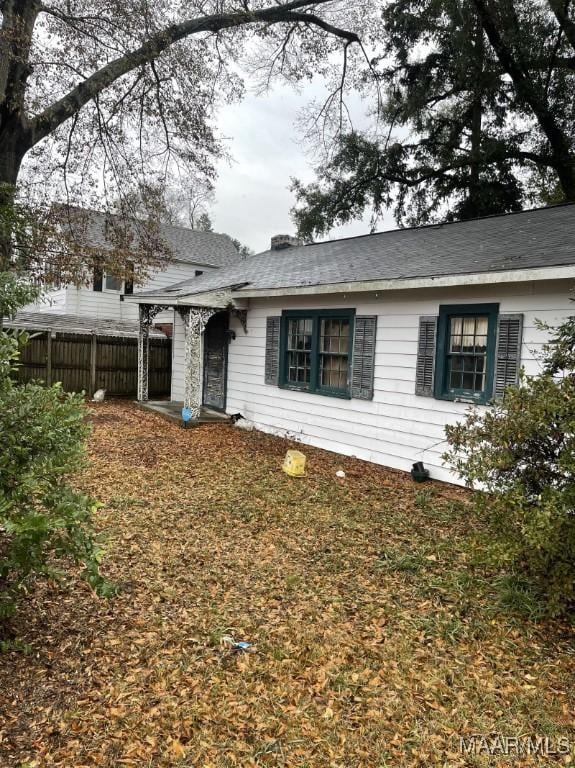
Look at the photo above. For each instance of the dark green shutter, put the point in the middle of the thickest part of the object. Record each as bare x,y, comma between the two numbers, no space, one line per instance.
129,282
508,353
273,325
425,366
98,278
363,365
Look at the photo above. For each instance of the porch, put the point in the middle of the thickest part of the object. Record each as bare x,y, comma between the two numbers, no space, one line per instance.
200,356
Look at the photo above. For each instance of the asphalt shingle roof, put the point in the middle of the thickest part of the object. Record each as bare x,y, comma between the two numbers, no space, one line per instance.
189,245
542,237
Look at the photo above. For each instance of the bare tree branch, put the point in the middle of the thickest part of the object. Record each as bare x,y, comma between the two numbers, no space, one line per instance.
561,10
528,92
52,117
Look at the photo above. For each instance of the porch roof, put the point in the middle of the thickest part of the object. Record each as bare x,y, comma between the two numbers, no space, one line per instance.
77,324
220,299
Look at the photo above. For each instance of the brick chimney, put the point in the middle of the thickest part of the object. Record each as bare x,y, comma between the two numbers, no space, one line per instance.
280,242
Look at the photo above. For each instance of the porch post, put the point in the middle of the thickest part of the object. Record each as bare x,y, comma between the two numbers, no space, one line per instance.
196,321
143,352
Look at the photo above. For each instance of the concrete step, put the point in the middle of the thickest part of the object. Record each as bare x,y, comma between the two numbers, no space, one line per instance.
173,411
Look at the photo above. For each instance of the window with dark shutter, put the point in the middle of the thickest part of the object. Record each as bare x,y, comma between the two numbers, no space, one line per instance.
508,354
273,325
465,358
316,351
363,365
425,367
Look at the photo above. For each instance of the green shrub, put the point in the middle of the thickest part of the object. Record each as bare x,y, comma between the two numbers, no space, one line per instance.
520,454
43,521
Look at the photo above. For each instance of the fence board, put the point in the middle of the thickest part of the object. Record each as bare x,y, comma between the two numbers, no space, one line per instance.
32,362
116,363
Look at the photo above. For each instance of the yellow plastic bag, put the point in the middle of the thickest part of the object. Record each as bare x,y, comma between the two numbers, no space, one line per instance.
294,464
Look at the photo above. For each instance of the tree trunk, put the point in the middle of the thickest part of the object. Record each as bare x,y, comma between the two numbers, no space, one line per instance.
18,20
13,147
476,121
561,10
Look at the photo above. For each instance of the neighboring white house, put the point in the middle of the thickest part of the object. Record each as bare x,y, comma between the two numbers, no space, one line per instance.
192,253
369,346
86,337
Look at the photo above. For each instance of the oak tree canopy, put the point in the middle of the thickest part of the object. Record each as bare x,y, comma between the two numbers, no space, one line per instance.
97,96
474,115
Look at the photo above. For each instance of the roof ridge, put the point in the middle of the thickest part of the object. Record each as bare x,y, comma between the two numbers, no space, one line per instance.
89,209
440,224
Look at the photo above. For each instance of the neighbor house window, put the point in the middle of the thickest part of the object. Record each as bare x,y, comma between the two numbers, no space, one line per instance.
465,352
316,351
112,283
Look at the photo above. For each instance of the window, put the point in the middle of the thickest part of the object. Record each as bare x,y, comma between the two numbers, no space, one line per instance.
112,283
333,352
465,352
299,342
316,351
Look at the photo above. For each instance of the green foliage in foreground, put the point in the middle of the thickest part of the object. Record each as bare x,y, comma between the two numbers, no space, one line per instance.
521,454
44,522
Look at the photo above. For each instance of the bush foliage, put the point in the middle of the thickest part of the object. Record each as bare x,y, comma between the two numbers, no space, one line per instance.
520,453
43,521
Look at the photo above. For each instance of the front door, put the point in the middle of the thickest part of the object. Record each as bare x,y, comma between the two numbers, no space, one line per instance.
216,361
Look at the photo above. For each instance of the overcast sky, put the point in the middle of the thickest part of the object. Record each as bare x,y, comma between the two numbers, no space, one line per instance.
253,201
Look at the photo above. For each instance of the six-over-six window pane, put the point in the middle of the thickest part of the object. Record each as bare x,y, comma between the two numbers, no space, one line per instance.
467,353
334,353
299,342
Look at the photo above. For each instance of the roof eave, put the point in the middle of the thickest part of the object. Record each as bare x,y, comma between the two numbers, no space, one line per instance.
220,298
443,281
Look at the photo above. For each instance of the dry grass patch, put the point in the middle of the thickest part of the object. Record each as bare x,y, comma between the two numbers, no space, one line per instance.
379,635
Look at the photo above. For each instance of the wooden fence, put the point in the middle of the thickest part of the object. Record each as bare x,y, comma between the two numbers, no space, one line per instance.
83,362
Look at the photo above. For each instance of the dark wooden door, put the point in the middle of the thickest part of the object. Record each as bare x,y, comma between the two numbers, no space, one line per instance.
216,361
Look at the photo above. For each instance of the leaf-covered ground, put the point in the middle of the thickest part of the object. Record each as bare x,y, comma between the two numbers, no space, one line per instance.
379,636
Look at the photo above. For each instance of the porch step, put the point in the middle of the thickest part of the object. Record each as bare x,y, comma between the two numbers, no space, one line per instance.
173,411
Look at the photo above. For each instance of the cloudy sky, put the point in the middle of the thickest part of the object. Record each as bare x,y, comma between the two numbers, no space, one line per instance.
253,201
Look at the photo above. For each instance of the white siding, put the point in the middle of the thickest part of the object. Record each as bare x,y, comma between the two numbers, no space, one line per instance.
52,301
397,428
90,303
178,342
